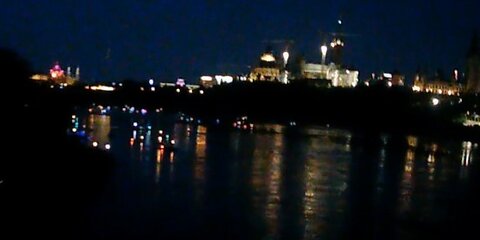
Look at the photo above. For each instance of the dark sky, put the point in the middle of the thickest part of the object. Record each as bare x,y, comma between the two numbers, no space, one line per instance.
112,40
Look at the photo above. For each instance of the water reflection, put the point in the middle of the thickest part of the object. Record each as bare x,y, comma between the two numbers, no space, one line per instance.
99,127
278,183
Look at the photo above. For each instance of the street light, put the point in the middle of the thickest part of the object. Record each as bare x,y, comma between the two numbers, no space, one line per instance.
324,49
286,55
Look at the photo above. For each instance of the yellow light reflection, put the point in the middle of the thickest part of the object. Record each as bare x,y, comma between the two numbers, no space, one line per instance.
409,161
158,164
100,126
412,141
160,153
200,152
274,181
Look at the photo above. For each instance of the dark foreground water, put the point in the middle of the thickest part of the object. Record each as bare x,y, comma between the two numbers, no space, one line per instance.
276,182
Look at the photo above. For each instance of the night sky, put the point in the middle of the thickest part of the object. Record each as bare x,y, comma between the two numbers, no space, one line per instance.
113,40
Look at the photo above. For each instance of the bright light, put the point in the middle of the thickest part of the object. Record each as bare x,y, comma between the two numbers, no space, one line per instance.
39,77
339,21
172,141
206,78
389,83
74,130
324,49
435,101
102,88
150,81
416,88
223,79
180,82
107,146
201,92
227,79
190,91
178,90
286,55
152,89
135,124
267,57
56,71
95,144
387,75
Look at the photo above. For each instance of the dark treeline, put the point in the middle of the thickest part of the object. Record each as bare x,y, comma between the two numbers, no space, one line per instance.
377,108
46,177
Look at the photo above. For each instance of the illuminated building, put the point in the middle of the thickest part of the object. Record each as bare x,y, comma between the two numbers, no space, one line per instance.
56,72
40,77
77,73
207,81
397,79
180,82
58,76
338,77
473,67
421,84
267,70
334,74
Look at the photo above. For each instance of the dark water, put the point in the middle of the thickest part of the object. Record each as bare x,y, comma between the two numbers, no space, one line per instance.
276,182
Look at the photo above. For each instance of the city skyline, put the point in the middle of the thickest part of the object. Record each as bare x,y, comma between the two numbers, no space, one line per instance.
170,39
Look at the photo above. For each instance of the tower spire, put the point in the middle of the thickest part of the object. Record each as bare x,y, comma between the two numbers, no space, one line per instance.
337,43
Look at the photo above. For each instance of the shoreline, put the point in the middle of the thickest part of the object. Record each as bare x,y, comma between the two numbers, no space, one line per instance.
374,109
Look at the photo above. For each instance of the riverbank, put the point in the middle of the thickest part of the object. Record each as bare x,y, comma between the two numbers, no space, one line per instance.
363,109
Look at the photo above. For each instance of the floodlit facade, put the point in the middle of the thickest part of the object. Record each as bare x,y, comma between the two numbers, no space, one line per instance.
207,81
339,77
420,84
58,76
267,70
